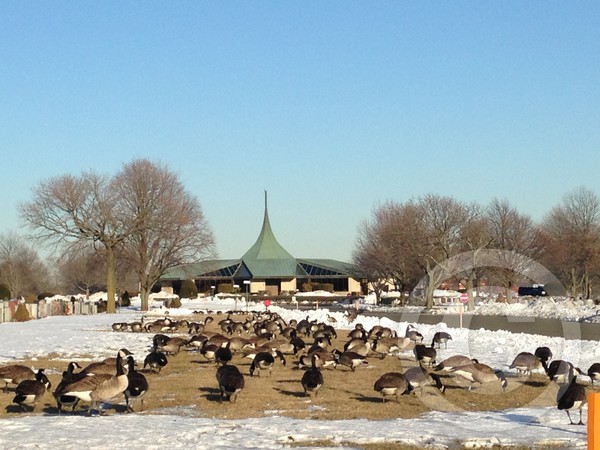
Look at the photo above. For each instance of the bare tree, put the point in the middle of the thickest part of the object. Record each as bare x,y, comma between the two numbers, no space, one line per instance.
66,210
412,241
83,270
382,248
475,237
518,236
21,269
174,230
442,221
573,228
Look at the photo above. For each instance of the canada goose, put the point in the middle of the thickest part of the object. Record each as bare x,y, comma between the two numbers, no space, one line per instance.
289,332
558,371
381,347
208,319
424,354
155,360
353,342
418,377
119,326
544,353
158,340
480,373
453,361
68,377
298,343
106,366
99,388
382,332
572,396
137,385
136,327
358,333
196,328
223,355
265,361
312,379
525,363
326,359
231,382
351,315
392,383
323,342
594,372
439,338
303,327
237,343
209,351
197,341
325,334
29,392
14,374
350,359
258,341
287,348
374,331
362,348
413,334
173,345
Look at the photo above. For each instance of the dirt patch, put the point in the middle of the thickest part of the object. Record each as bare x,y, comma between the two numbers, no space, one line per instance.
187,385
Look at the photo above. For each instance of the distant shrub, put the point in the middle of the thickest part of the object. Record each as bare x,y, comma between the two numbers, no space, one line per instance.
225,288
307,287
21,314
327,287
125,300
175,303
31,298
44,295
102,305
188,289
4,292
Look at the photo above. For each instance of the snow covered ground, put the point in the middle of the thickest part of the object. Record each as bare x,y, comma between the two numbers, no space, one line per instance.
187,427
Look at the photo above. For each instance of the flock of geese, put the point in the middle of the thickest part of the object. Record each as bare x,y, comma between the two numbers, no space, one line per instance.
266,339
95,384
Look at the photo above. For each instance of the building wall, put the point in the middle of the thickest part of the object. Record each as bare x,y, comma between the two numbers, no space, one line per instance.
257,286
289,285
354,285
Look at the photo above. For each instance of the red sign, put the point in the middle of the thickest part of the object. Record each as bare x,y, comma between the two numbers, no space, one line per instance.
464,297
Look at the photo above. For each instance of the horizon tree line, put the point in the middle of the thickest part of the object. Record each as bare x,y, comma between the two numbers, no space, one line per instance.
427,240
129,229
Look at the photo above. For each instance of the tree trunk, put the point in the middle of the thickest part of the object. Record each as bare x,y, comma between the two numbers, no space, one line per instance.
509,292
470,284
429,288
588,287
144,297
110,279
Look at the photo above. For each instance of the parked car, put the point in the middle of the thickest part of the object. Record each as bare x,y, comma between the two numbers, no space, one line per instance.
537,290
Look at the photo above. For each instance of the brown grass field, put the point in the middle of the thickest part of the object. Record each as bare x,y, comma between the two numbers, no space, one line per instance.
188,382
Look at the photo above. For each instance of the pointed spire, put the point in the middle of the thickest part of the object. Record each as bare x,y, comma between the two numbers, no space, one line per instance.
266,247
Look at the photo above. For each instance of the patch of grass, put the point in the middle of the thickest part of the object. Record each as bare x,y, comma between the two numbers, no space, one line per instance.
188,382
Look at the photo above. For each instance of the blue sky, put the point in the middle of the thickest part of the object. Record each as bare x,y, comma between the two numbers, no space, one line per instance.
333,107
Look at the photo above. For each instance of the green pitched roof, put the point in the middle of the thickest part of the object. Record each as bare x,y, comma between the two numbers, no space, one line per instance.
267,257
215,267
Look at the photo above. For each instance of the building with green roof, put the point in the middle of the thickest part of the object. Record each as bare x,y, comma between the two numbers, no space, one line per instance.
269,268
